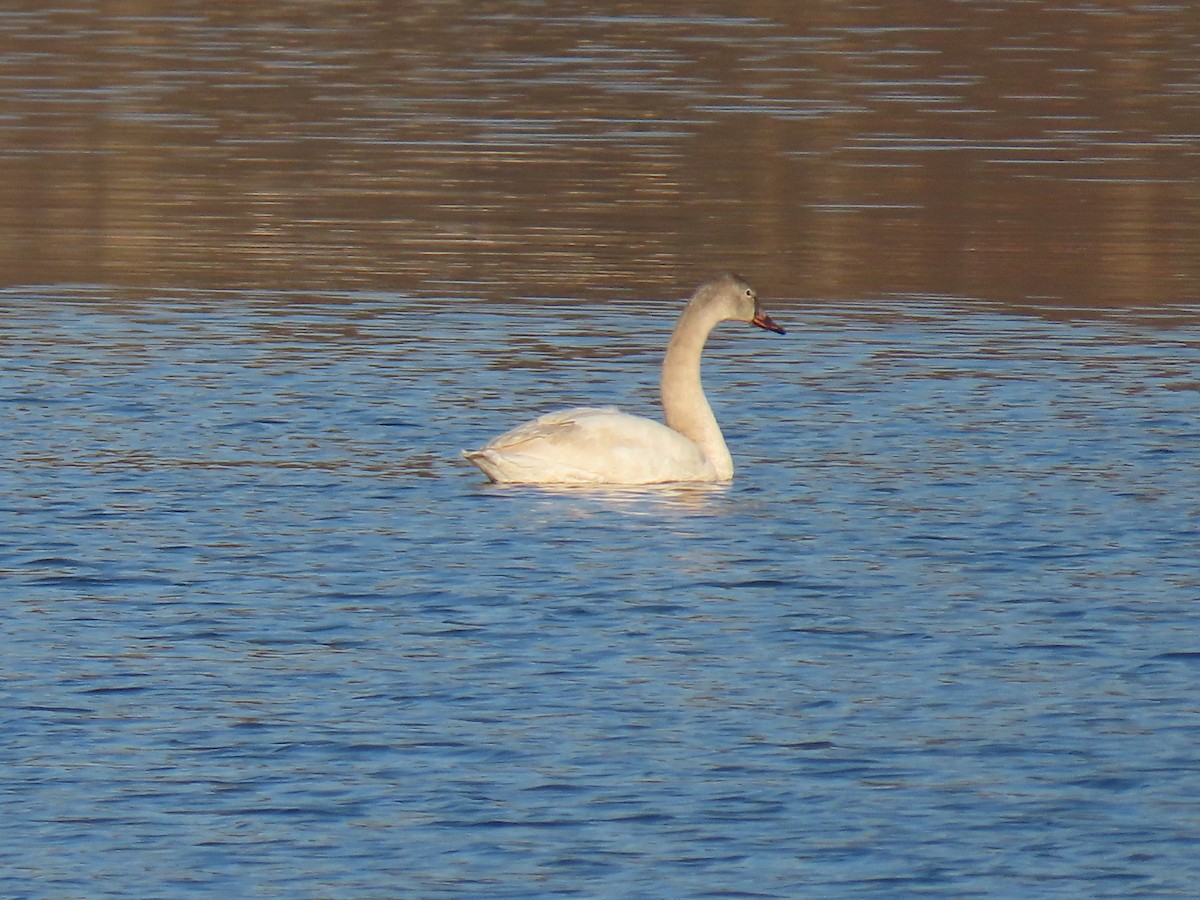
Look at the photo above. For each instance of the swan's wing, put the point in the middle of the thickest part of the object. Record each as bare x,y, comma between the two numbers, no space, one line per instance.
556,428
592,446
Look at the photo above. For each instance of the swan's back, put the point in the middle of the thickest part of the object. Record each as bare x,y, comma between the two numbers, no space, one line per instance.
592,446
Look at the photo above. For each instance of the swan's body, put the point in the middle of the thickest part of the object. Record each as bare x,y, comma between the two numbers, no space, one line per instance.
605,446
593,446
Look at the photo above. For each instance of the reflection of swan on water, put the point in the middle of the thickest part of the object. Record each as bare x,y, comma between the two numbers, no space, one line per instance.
605,446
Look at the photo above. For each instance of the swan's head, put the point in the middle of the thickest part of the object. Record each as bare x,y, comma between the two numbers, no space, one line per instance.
737,301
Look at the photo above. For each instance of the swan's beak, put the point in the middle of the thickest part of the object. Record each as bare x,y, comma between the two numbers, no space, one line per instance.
762,320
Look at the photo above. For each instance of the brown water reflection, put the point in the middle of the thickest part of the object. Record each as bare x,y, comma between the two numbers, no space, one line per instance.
1011,151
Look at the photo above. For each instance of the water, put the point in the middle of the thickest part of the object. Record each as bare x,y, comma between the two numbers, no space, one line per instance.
1007,150
266,633
264,271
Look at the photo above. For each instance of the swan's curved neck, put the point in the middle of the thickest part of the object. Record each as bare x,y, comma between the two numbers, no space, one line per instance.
685,407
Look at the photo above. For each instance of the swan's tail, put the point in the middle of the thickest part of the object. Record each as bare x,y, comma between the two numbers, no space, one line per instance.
482,460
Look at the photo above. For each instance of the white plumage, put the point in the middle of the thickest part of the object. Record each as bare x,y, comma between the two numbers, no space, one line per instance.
593,445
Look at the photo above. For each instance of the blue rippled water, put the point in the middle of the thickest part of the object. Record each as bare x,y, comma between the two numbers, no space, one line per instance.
265,633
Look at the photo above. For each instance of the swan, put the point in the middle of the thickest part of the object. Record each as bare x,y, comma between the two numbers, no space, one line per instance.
605,446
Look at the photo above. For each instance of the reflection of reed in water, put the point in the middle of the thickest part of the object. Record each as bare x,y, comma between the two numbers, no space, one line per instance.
845,152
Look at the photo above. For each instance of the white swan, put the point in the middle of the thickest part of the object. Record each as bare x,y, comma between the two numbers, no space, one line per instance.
605,446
